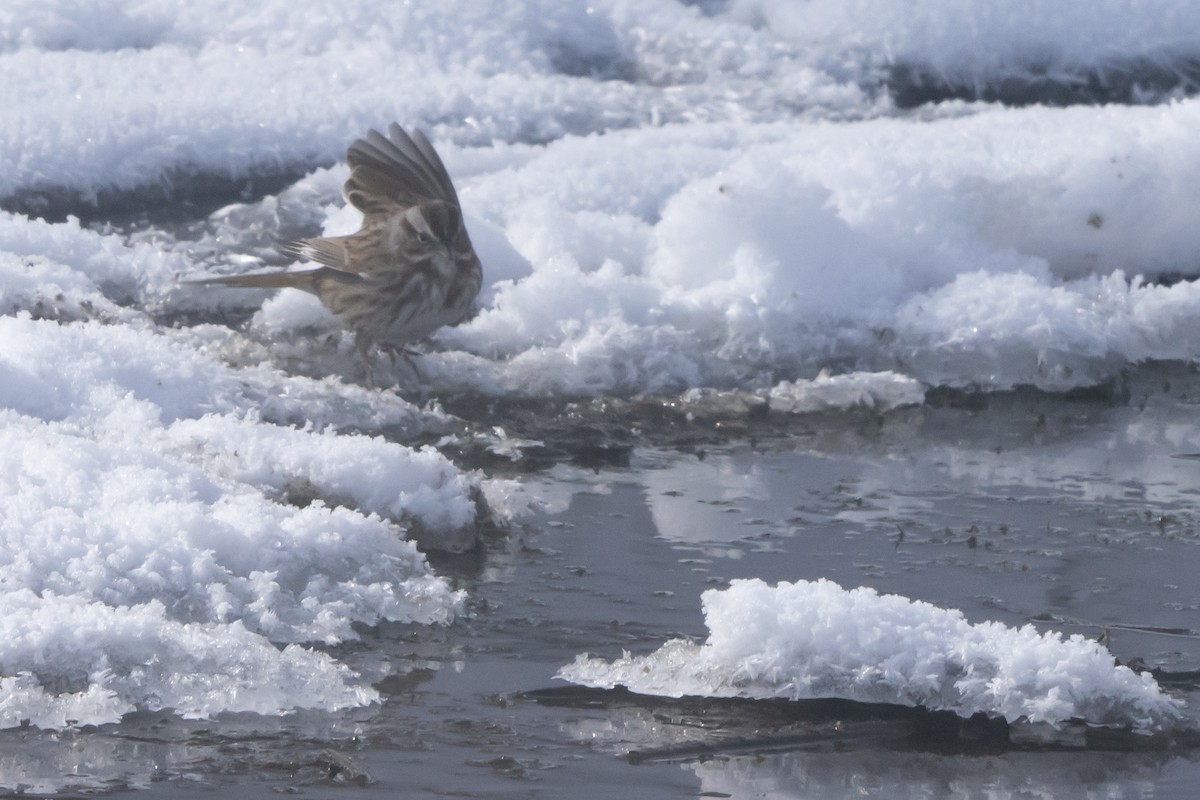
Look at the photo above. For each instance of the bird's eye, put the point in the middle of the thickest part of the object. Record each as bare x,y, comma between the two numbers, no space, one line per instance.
424,238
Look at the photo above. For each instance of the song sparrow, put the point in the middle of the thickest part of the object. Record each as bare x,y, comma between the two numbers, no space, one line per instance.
410,268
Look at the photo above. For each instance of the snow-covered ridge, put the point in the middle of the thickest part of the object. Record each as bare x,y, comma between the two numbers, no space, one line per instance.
69,661
815,639
752,240
93,98
1004,248
1067,51
151,549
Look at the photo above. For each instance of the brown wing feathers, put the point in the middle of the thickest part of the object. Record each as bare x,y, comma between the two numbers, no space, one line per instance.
403,169
327,250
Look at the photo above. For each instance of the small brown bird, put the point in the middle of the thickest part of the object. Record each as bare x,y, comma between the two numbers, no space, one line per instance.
410,268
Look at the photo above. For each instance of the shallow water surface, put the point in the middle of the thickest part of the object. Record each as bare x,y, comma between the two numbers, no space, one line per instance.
1075,515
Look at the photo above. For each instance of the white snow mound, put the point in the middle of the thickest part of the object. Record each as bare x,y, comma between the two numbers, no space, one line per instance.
814,639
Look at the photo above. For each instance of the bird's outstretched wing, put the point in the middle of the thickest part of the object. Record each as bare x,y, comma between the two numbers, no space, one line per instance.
388,176
392,173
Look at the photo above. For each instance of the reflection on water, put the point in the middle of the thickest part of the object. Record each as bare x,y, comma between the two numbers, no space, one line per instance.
904,775
1028,508
35,763
159,750
846,758
1124,460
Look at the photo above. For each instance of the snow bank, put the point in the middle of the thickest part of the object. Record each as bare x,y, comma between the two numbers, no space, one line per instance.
815,639
159,537
68,662
878,391
101,107
93,100
979,42
990,251
881,391
999,249
657,208
214,529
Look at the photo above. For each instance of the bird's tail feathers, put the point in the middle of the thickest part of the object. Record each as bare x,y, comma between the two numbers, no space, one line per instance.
305,279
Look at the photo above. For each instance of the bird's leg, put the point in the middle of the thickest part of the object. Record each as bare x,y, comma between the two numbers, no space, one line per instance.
364,352
391,351
394,350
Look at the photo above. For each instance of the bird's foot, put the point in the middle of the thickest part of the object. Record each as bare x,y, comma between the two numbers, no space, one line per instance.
395,351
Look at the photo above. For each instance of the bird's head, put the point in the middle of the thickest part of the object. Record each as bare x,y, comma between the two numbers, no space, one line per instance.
435,229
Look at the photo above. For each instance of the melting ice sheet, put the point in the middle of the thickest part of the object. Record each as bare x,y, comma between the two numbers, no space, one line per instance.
815,639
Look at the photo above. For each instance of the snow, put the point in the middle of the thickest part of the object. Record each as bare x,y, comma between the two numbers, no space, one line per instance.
814,639
998,249
783,231
716,202
151,514
75,662
982,42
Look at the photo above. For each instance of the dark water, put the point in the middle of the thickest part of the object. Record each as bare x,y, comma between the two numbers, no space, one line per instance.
1077,514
